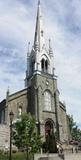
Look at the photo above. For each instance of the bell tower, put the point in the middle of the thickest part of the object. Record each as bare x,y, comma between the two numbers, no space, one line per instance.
41,83
40,58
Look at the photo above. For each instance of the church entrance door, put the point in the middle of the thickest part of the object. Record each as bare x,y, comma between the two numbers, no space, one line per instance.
48,127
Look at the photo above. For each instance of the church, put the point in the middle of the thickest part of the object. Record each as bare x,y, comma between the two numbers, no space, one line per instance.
40,96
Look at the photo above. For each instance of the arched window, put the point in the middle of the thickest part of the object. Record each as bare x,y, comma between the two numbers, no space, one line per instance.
19,110
44,65
47,100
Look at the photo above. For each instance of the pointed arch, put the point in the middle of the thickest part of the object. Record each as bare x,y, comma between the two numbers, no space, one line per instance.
44,63
47,100
49,126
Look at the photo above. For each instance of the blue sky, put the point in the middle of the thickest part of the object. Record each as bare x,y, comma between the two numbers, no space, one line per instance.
62,23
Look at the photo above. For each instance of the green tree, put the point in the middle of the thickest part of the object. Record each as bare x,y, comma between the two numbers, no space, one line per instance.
76,134
25,134
72,124
50,144
74,130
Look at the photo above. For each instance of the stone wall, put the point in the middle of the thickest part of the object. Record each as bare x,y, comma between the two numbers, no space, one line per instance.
4,136
42,83
63,124
19,99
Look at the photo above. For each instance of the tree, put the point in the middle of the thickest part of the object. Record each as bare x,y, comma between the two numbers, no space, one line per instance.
76,134
50,144
74,130
25,134
72,124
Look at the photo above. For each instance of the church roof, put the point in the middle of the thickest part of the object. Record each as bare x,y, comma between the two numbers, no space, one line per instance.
18,94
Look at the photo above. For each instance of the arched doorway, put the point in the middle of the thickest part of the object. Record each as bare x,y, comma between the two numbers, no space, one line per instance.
49,127
50,141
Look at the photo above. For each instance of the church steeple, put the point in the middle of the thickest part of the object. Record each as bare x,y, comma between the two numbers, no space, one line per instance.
39,31
40,59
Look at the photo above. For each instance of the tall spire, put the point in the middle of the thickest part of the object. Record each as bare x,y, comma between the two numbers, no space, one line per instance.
28,57
39,31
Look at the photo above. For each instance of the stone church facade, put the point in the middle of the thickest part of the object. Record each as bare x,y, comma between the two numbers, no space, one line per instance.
40,96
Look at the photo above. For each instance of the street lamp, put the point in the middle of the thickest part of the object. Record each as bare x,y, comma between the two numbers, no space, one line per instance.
38,127
11,115
56,113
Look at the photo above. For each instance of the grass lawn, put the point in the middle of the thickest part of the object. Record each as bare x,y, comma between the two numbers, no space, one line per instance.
15,156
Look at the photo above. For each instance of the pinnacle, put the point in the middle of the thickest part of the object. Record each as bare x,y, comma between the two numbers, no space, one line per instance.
38,2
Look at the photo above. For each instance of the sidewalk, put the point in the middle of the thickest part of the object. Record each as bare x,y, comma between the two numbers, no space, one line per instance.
72,156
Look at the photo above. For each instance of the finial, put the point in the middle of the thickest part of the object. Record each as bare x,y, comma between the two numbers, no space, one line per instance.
28,48
49,41
8,92
49,44
38,2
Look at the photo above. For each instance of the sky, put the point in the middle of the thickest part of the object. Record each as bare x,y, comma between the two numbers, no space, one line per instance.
62,24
